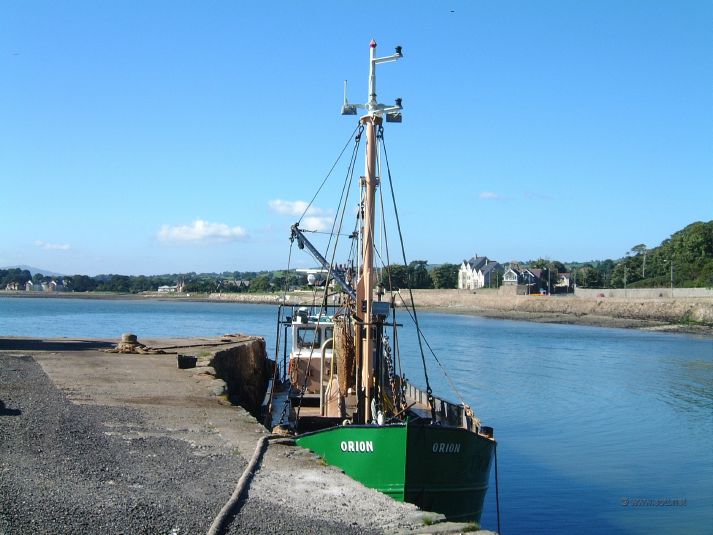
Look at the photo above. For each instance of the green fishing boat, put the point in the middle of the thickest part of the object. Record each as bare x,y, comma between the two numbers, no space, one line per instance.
339,386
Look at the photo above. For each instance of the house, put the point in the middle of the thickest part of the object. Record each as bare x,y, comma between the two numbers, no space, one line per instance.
55,286
537,280
237,283
51,286
35,286
512,276
13,286
477,272
167,289
564,282
177,288
527,280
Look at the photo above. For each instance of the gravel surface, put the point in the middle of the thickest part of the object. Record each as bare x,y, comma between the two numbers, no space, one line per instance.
82,468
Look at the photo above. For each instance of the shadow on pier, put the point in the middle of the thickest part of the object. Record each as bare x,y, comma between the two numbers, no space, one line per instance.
41,344
4,411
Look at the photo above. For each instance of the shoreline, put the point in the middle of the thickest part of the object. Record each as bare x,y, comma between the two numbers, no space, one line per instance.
605,322
553,309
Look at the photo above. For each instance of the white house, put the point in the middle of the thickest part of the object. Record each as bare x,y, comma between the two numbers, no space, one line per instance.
35,286
56,286
167,289
477,272
177,288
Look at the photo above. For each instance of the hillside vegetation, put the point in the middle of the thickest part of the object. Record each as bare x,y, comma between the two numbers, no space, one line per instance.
684,260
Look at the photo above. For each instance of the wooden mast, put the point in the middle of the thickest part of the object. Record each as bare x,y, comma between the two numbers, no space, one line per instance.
365,286
366,296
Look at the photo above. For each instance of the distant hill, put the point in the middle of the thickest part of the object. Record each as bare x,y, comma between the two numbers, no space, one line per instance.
33,270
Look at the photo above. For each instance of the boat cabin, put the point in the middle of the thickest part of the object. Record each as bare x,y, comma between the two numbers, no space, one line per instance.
311,353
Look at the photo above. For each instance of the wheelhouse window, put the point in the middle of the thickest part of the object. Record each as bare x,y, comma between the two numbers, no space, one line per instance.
310,337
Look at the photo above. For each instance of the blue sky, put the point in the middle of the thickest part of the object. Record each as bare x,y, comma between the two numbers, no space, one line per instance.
159,137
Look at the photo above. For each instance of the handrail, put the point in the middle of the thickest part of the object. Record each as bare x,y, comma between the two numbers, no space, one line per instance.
323,350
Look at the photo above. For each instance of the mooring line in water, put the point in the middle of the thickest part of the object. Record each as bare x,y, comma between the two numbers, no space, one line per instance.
220,522
497,488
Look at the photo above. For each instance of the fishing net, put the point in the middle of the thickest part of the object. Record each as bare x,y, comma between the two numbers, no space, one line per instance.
345,353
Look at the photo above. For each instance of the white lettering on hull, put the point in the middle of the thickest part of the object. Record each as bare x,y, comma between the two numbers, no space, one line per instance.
446,447
357,446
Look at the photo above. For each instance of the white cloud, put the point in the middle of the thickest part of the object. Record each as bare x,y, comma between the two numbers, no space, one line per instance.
288,207
315,218
201,230
319,223
52,246
490,196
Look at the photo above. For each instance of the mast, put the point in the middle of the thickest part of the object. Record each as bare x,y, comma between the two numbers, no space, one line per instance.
365,287
366,284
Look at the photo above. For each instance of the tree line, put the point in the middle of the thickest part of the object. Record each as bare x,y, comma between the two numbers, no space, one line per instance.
683,260
227,282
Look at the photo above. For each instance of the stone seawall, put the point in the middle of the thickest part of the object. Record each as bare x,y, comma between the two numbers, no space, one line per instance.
266,299
666,310
245,368
644,293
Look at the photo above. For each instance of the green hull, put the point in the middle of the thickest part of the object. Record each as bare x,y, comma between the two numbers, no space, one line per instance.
440,469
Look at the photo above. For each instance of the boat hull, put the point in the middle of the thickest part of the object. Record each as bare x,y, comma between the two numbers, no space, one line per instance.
440,469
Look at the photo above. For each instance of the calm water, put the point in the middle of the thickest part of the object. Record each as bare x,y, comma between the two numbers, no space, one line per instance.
589,421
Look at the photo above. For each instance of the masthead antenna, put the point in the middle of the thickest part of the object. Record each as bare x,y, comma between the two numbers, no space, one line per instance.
392,113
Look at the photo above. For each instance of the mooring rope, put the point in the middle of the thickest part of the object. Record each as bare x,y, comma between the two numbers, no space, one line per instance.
497,488
221,521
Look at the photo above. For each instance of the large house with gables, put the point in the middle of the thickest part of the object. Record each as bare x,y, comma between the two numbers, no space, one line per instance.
478,272
51,286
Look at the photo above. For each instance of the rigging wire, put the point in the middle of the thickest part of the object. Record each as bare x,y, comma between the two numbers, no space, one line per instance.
345,192
341,207
386,269
433,353
322,232
429,391
412,309
330,171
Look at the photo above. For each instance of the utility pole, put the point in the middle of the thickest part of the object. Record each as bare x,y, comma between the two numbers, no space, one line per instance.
671,278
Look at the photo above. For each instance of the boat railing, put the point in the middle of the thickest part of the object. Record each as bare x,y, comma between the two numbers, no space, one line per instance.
447,412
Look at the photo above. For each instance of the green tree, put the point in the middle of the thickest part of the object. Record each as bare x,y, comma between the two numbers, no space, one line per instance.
82,283
419,275
261,283
588,277
445,276
395,277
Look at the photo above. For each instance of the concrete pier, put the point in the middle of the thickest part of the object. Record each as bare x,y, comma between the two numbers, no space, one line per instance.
94,441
